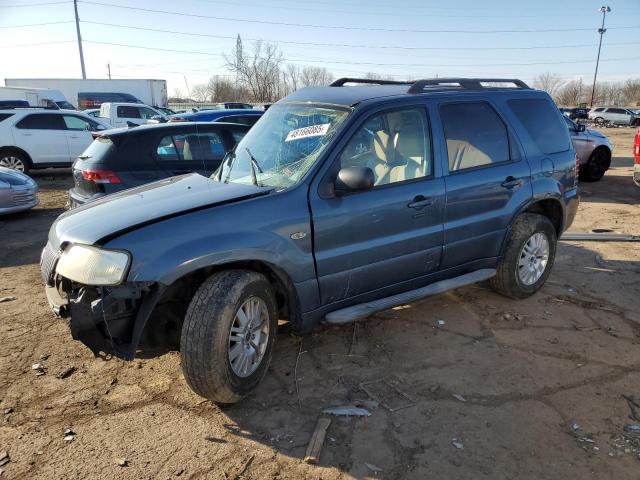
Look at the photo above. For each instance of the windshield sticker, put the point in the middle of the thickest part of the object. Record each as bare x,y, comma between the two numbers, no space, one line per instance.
305,132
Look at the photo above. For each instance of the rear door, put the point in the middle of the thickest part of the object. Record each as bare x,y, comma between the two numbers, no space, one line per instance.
487,179
43,137
390,236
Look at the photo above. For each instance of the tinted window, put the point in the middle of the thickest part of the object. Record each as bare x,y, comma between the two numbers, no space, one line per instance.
543,124
616,110
42,122
475,134
128,112
76,123
4,116
191,147
395,145
243,119
146,113
598,109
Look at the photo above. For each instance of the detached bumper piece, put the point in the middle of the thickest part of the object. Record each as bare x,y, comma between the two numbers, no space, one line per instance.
110,320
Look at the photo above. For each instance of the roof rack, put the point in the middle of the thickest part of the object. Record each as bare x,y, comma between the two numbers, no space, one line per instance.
341,81
467,83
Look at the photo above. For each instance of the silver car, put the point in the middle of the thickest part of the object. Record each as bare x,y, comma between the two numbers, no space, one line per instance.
593,150
18,192
614,115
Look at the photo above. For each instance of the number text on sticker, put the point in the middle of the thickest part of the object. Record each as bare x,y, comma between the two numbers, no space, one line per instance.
311,131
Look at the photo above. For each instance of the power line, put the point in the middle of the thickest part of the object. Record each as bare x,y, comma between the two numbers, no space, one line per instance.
35,4
364,63
36,24
36,44
347,45
340,27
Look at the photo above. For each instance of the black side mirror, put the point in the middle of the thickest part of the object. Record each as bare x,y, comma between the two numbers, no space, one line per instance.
354,179
580,127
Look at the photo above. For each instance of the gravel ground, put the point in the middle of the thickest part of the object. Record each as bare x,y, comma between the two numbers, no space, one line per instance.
500,389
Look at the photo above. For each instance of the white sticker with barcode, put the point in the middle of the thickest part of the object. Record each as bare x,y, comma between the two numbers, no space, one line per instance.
305,132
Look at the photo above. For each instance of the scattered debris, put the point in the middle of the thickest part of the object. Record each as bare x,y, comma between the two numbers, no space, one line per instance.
69,435
44,357
459,397
245,466
7,411
178,472
632,428
39,369
295,372
123,462
7,299
387,394
4,458
634,407
575,428
440,323
314,448
347,410
372,467
457,443
600,237
67,372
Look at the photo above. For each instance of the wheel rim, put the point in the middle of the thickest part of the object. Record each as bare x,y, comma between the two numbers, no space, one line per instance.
534,257
249,336
597,165
12,162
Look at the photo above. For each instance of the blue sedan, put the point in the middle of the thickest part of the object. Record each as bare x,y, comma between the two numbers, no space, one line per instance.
243,116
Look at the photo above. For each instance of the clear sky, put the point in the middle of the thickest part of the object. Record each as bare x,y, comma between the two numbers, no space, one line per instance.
401,38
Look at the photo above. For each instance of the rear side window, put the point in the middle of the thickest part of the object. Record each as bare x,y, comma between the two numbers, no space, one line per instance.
4,116
616,110
41,121
542,123
191,147
99,149
476,136
76,123
128,112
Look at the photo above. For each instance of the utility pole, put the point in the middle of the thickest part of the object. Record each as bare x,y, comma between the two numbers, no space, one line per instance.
601,30
109,69
75,7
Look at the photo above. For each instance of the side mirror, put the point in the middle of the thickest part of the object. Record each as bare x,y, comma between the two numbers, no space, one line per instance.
580,127
100,127
354,179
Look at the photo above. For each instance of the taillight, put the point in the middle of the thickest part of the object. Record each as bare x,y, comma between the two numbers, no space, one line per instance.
100,176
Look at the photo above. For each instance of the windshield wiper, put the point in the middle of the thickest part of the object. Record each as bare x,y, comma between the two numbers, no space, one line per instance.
254,165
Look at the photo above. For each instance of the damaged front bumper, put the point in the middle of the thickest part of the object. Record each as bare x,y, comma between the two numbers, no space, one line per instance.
108,320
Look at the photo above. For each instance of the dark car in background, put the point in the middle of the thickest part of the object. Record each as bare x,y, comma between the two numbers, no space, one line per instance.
129,157
244,116
575,113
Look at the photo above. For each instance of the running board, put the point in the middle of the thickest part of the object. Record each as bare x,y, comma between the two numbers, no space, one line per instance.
363,310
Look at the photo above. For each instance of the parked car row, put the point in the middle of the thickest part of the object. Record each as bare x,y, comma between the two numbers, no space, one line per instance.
614,115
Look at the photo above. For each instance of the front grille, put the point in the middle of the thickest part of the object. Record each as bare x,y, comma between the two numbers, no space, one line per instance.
48,262
23,198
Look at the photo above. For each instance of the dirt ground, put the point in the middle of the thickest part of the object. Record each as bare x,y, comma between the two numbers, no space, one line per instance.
538,383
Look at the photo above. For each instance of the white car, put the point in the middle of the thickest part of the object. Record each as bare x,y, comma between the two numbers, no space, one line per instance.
128,114
38,138
615,115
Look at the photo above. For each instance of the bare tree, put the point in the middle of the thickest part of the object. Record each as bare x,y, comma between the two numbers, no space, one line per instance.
200,92
631,92
315,76
221,89
571,93
549,82
258,70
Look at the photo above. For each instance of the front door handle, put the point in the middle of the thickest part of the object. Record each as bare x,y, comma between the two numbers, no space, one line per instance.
419,202
511,182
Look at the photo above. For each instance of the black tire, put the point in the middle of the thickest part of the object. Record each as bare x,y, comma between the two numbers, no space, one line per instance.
205,338
508,280
9,156
599,120
596,166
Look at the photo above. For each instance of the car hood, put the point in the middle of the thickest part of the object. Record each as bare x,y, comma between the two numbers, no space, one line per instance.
594,133
121,212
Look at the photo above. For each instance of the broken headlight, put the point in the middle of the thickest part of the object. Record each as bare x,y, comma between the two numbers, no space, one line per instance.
93,266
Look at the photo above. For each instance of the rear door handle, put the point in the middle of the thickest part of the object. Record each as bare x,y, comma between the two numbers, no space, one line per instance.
511,182
419,202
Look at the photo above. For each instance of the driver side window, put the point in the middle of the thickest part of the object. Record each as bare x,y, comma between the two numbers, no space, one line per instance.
395,145
76,123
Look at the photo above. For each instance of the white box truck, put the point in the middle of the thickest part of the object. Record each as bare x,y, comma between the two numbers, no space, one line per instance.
36,97
91,93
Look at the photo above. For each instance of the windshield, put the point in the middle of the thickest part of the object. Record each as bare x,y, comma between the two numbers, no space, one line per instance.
282,146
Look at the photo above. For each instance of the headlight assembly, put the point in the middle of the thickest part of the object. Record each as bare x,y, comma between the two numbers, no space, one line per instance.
93,266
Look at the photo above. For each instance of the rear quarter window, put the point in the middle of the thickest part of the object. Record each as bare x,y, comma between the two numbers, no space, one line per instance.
99,150
4,116
542,122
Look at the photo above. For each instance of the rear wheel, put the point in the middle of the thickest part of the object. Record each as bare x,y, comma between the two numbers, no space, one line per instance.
599,120
528,257
15,161
228,335
596,166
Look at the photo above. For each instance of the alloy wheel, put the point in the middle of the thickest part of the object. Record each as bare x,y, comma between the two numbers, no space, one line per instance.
534,257
249,336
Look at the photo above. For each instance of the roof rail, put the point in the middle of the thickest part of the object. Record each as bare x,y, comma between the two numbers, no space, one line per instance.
341,81
466,83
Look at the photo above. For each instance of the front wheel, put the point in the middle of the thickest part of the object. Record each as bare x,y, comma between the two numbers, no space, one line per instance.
599,121
528,257
595,168
228,335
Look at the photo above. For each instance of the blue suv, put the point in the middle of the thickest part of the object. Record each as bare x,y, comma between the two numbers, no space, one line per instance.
341,201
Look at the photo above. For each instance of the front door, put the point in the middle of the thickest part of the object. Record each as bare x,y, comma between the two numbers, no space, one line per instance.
391,234
78,131
487,180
